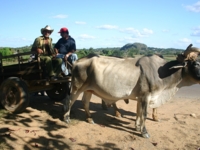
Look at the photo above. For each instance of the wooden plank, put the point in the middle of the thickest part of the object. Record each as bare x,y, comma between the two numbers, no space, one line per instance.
18,54
20,72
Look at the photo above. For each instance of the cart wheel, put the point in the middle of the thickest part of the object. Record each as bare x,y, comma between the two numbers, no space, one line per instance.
59,91
14,95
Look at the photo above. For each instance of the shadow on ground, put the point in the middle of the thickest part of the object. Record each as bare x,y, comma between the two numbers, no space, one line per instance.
100,116
54,109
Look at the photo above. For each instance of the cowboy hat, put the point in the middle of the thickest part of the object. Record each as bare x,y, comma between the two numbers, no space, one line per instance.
46,28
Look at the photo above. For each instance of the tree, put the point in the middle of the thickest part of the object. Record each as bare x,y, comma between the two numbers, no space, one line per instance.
6,51
91,50
117,53
81,53
130,53
106,52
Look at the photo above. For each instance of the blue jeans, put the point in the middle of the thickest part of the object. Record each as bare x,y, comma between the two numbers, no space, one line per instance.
73,57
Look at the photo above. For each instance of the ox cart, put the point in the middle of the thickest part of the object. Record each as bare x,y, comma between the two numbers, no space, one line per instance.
19,80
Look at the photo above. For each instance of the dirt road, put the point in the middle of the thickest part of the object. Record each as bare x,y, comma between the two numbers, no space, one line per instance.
40,126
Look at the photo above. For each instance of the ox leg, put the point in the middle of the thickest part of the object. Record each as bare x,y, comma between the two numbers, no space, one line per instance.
116,110
154,114
117,113
103,105
86,102
141,117
137,122
68,102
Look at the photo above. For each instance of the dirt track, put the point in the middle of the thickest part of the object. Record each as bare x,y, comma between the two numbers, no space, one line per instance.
40,126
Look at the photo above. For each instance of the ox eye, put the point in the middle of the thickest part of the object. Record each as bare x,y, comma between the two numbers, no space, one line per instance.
195,64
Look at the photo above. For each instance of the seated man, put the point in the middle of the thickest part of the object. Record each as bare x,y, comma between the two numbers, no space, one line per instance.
65,48
44,49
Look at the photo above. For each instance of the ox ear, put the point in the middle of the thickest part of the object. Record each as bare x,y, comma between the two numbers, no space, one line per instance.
179,66
191,53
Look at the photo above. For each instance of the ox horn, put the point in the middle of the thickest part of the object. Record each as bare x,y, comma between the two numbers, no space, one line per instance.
191,53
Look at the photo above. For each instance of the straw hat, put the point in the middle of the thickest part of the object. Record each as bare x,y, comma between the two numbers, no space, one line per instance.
46,28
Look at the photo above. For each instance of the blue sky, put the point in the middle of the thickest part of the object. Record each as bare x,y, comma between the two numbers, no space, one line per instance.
102,24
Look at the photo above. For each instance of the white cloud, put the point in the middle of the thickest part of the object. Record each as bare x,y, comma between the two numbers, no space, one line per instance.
86,36
129,40
80,22
194,8
136,33
15,41
132,31
196,31
106,27
60,16
198,41
147,31
185,40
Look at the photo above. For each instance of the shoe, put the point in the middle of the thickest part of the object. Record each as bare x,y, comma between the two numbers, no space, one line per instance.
53,78
60,76
69,75
42,93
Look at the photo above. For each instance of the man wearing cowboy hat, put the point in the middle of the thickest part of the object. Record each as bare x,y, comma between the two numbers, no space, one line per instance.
44,49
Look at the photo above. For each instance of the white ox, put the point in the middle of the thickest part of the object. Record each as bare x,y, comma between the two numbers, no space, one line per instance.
149,80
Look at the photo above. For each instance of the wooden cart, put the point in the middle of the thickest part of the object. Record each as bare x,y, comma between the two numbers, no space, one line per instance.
18,81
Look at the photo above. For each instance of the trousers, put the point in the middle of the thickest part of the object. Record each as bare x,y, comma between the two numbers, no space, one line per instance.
53,65
73,57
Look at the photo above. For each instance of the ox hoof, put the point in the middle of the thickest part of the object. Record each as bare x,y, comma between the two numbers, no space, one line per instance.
145,135
156,119
67,120
118,115
90,120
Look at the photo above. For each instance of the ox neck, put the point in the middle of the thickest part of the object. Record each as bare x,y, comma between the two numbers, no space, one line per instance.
186,81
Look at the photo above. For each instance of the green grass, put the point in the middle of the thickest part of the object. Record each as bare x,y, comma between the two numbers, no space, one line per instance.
3,113
12,61
169,57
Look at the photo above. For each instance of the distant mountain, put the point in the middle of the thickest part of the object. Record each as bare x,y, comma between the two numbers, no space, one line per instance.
139,46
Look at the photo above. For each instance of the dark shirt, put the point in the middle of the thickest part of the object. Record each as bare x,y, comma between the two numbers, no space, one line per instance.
47,48
65,46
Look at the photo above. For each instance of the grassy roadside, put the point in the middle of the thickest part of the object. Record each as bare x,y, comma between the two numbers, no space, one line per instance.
169,57
3,112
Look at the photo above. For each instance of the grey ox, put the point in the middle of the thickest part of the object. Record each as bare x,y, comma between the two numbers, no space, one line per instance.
149,80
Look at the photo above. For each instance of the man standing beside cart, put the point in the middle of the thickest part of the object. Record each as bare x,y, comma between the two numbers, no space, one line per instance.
44,49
